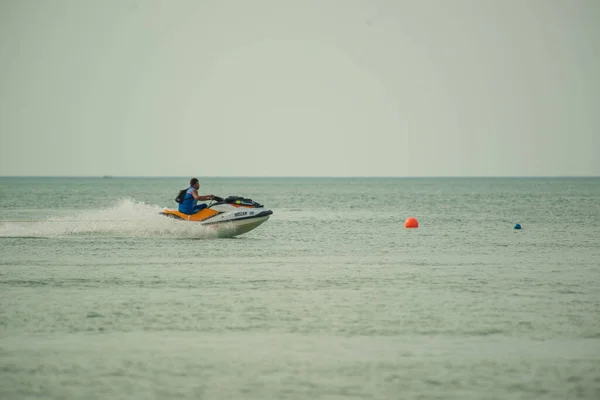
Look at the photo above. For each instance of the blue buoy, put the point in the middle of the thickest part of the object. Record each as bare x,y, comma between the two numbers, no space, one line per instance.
518,226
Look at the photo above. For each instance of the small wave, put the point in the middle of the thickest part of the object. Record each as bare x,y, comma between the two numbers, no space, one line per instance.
126,217
475,332
485,332
24,282
592,335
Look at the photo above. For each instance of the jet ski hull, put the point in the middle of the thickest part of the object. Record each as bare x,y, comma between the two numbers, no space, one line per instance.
237,227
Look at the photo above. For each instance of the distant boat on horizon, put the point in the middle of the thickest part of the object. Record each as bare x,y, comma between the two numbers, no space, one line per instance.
107,177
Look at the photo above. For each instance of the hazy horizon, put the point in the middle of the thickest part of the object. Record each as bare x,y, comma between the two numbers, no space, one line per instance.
300,89
306,177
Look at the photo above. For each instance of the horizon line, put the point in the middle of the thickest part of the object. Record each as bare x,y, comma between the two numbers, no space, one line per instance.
304,176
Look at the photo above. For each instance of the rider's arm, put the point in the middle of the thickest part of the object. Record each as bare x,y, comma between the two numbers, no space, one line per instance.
201,198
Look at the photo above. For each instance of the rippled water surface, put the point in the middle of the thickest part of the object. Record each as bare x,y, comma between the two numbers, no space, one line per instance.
101,297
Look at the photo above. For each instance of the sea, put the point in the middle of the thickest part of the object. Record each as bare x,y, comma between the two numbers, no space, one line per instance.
101,297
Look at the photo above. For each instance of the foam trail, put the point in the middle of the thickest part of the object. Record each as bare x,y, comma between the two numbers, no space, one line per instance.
126,217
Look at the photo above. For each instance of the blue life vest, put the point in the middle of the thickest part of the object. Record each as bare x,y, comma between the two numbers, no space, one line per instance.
188,203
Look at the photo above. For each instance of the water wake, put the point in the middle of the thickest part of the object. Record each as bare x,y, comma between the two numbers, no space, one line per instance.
126,217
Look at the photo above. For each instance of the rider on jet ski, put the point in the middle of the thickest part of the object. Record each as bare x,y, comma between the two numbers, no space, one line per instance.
190,205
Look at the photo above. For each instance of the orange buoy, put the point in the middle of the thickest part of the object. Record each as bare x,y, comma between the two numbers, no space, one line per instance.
411,223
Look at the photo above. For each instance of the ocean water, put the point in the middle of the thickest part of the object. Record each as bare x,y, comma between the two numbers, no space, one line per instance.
332,298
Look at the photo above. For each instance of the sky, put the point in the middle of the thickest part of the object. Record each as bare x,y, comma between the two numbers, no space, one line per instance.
300,88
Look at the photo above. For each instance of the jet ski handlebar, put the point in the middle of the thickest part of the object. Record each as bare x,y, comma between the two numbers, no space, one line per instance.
236,200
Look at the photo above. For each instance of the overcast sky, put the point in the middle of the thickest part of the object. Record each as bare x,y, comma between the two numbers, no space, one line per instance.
300,88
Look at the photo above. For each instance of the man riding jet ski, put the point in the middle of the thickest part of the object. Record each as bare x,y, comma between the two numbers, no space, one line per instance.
231,216
188,199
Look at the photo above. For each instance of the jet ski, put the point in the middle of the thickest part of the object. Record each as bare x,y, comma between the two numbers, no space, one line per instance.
231,216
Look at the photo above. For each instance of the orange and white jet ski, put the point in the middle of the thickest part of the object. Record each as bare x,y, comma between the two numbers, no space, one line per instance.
232,216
